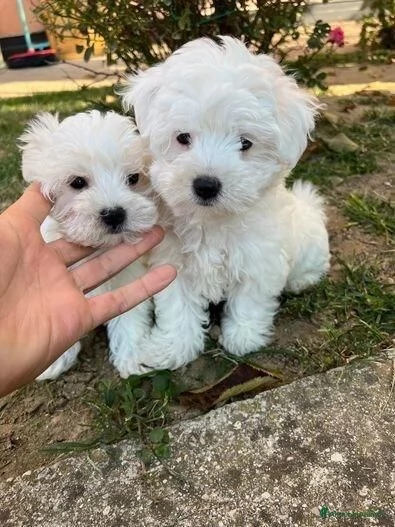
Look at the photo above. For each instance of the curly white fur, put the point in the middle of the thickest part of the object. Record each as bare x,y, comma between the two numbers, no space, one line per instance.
103,149
255,238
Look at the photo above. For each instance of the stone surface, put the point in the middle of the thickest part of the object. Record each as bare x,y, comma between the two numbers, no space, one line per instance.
274,460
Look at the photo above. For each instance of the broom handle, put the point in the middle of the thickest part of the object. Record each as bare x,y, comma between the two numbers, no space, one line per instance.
25,26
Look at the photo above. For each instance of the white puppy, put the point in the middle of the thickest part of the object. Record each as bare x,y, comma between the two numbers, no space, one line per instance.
225,127
93,166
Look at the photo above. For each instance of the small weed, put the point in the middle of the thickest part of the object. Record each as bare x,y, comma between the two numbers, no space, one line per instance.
376,215
132,408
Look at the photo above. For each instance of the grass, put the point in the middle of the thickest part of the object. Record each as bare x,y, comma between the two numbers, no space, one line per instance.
374,135
328,165
325,60
365,99
374,214
355,313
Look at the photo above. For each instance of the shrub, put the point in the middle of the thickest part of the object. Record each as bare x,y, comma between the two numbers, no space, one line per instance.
378,28
143,32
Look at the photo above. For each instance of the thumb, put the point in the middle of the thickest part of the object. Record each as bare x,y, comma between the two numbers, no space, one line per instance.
33,203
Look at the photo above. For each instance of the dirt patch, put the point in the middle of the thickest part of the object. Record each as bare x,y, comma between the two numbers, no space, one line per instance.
360,74
44,413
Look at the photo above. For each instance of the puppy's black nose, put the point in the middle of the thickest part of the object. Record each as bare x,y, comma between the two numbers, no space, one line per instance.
207,187
113,218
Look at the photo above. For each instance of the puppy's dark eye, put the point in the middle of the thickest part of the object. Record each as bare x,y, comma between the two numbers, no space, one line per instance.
132,179
245,144
184,139
78,183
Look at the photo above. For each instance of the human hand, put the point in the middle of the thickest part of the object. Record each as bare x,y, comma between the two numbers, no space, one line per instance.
43,309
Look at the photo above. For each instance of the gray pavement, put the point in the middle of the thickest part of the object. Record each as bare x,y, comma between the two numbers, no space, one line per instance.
73,70
317,452
64,76
334,10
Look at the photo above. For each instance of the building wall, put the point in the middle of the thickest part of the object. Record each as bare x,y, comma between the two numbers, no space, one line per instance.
10,25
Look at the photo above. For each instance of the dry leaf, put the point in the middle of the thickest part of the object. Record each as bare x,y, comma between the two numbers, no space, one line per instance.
332,118
340,143
349,107
391,100
312,148
243,378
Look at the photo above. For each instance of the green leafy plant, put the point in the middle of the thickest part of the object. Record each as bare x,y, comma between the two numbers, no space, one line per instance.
136,407
145,32
306,68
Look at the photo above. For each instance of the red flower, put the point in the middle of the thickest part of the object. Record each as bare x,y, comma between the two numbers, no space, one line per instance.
336,36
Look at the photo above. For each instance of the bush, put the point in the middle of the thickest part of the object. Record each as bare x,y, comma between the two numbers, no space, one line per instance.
143,32
378,28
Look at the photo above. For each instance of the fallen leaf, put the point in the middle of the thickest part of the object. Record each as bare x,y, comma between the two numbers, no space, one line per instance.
349,107
331,118
340,143
391,100
243,378
312,148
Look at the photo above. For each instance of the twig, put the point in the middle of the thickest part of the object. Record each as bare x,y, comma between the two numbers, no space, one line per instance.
71,79
94,72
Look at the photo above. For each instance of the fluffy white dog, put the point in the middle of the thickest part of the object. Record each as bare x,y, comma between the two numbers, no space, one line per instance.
93,166
225,127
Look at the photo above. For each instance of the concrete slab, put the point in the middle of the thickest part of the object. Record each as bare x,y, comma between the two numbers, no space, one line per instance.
319,451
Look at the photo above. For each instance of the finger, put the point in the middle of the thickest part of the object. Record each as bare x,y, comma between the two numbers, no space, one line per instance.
110,305
70,253
34,203
103,267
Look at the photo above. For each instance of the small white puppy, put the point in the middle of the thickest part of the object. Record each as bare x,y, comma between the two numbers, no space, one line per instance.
93,167
225,127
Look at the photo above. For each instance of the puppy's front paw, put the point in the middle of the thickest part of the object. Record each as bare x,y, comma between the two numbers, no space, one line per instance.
240,339
148,355
62,364
166,352
126,334
130,365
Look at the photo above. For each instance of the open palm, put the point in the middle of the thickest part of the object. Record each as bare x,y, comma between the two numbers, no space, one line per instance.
43,309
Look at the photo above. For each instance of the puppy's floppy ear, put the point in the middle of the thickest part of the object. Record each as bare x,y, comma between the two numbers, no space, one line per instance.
33,143
296,110
139,93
